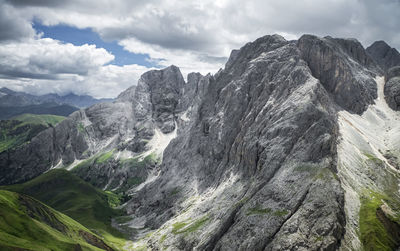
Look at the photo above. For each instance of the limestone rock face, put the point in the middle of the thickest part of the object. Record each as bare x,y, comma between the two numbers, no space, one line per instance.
385,56
392,72
63,142
263,131
392,88
165,88
344,68
126,124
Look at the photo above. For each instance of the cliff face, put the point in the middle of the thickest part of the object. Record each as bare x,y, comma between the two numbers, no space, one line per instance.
246,159
385,56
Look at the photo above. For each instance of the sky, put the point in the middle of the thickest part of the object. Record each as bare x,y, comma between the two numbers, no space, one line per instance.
101,47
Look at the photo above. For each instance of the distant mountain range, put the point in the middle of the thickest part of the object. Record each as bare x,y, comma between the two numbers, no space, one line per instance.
14,103
12,98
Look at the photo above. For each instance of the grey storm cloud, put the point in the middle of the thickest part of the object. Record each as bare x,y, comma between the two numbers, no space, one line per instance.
13,27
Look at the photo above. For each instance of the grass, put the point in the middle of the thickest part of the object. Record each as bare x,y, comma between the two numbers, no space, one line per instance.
104,157
15,133
326,174
373,234
25,223
76,198
373,158
162,239
187,227
281,213
39,119
176,227
258,210
81,127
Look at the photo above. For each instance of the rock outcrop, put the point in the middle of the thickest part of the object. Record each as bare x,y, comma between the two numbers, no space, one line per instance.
385,56
392,88
344,68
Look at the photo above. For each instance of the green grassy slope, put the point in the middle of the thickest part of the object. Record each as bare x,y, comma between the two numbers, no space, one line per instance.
76,198
27,224
23,128
41,119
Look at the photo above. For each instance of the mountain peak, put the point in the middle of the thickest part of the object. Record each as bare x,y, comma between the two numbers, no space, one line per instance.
6,90
385,56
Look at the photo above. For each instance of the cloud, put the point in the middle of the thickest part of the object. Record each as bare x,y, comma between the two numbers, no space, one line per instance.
212,25
44,65
194,35
12,26
106,82
46,56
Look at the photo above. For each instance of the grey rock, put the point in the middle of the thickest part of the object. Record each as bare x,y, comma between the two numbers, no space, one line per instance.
385,56
266,120
165,88
392,93
44,151
341,66
392,72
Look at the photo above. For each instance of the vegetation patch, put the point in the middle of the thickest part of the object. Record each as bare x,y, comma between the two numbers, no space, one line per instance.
281,213
186,228
76,198
373,158
373,233
21,129
39,119
162,239
26,223
258,210
326,174
176,227
81,127
104,157
241,202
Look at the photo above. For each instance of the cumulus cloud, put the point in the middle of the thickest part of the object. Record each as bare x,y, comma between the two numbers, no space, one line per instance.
46,65
106,82
49,57
194,35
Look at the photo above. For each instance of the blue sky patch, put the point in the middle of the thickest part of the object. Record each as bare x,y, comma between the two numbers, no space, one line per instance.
75,36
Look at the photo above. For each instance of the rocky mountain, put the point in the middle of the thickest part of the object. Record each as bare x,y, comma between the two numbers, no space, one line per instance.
385,56
21,129
292,146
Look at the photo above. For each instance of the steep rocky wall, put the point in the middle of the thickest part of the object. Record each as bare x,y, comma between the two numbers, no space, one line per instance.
385,56
343,68
61,143
257,159
392,88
